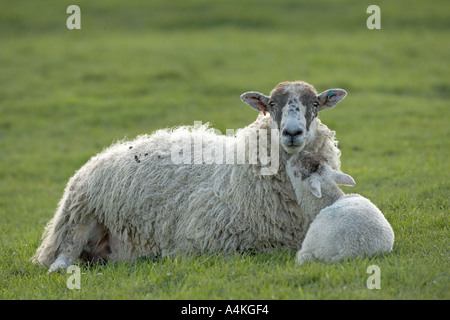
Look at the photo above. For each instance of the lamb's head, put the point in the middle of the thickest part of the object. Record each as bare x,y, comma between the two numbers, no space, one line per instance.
309,172
294,107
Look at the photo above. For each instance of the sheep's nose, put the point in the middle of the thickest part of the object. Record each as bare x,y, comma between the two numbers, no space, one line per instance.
292,133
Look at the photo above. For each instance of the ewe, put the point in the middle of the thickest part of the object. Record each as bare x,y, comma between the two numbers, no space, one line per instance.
132,199
346,225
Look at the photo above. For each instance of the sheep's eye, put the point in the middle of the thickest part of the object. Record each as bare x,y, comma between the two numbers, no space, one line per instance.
315,103
271,103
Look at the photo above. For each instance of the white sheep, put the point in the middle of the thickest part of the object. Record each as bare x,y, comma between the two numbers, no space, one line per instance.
133,199
346,225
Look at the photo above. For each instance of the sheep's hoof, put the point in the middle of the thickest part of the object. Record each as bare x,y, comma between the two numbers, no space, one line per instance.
59,265
303,257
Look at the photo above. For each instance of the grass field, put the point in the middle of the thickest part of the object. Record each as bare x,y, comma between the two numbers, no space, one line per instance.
135,67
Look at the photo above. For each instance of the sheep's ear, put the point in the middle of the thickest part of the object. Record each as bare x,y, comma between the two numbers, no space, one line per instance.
329,98
256,100
314,186
343,179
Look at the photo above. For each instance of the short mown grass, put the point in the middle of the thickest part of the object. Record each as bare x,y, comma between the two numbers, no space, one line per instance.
135,67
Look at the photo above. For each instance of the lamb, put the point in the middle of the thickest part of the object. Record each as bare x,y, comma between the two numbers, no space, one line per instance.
132,199
346,225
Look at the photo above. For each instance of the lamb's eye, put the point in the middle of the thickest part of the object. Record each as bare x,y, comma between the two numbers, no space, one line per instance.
271,103
315,103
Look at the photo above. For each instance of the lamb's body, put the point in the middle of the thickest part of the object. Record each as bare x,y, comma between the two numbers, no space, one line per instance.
131,199
344,226
350,227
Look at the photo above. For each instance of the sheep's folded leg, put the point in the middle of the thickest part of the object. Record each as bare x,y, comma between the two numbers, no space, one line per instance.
60,264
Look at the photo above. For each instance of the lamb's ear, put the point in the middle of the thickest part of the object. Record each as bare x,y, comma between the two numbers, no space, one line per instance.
314,186
343,179
256,100
329,98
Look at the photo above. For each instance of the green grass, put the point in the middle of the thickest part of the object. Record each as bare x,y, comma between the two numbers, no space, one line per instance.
135,67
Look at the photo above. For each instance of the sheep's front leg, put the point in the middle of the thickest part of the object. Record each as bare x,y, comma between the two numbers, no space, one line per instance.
303,257
61,263
73,244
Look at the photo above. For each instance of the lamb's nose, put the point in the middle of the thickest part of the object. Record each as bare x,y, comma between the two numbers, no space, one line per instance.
292,133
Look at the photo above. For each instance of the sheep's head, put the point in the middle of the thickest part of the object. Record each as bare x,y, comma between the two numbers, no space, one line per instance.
310,172
294,107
